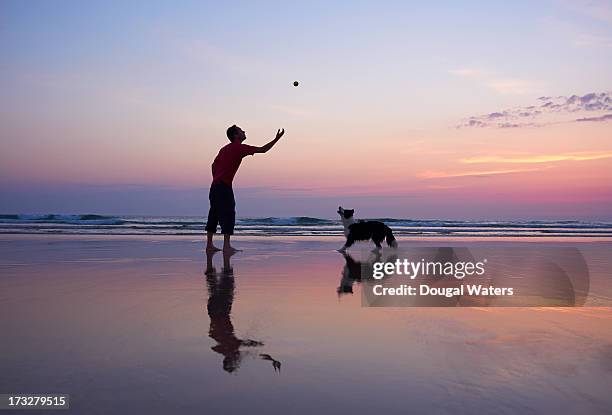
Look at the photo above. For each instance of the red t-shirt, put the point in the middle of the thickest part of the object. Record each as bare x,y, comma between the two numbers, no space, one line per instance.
228,160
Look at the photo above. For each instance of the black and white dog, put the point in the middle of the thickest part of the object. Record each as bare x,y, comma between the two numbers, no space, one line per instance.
364,230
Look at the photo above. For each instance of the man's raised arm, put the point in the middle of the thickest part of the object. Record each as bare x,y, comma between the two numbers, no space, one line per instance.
265,148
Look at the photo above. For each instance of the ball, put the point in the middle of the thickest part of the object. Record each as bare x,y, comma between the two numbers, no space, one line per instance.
295,83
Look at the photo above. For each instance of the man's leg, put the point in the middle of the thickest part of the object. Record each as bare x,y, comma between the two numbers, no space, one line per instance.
227,246
210,247
227,219
213,219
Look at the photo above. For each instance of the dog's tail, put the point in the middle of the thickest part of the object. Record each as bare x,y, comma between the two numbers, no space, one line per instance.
390,238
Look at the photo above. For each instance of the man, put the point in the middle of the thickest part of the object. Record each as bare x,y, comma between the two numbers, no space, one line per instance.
221,196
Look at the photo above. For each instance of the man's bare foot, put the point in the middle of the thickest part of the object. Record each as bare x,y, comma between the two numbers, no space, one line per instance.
230,250
212,248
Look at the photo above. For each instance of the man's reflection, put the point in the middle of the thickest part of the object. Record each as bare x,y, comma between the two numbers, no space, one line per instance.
220,300
275,363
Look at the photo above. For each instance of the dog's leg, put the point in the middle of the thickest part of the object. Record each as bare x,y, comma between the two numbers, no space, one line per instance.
378,245
349,241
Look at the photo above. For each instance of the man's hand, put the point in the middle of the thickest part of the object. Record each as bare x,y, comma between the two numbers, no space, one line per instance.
280,133
264,149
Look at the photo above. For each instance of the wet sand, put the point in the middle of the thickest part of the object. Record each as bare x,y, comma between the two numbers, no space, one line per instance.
136,325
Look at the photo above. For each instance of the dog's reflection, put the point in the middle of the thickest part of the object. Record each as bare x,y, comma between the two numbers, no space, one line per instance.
221,287
361,272
353,269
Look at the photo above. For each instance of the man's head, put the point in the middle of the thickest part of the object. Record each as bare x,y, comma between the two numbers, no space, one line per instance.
236,134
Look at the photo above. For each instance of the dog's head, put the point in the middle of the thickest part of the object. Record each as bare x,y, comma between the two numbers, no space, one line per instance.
345,213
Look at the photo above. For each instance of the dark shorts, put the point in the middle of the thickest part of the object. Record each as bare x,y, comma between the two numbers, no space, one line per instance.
222,208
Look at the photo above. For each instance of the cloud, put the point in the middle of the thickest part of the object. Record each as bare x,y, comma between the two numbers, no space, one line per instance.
475,173
595,9
593,41
605,117
511,86
202,52
504,86
467,72
292,111
534,115
545,158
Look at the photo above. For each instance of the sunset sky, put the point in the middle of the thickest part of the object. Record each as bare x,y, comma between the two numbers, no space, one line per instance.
450,110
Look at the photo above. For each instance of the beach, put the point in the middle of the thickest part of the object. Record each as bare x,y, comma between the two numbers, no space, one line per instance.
135,324
419,195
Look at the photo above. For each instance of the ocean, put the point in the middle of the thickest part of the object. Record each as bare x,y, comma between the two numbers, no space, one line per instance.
289,226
